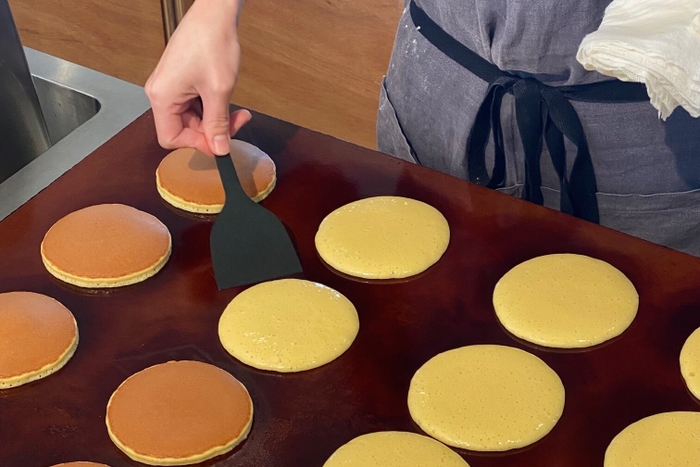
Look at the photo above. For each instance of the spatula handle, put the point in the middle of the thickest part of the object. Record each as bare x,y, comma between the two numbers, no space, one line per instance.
229,177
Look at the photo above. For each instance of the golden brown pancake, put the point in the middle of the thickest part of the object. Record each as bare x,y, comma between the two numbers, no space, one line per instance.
38,336
80,464
107,245
189,180
178,413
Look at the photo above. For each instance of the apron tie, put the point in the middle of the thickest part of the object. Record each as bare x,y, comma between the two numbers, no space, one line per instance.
544,115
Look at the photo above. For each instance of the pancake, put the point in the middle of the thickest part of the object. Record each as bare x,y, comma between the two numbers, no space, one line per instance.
189,180
690,363
486,398
385,237
107,245
565,301
179,413
38,336
80,464
394,449
670,439
288,325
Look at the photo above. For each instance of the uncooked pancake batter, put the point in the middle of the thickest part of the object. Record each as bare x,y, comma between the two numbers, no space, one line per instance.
394,449
566,301
38,336
80,464
179,413
690,363
189,179
486,398
670,439
288,325
385,237
107,245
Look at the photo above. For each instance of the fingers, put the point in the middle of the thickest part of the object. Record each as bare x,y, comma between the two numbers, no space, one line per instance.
181,125
168,126
187,130
192,121
190,138
238,119
171,118
180,131
215,122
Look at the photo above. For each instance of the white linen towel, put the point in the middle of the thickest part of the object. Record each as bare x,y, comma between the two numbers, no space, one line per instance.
656,42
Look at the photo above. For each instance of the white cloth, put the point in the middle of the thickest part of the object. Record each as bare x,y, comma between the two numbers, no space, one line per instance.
656,42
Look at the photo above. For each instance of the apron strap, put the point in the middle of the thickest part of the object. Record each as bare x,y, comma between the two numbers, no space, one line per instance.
544,115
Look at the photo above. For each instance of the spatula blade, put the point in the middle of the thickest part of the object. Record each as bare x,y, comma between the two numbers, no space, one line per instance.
248,243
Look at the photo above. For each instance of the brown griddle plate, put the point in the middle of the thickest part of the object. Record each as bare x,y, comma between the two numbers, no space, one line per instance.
300,419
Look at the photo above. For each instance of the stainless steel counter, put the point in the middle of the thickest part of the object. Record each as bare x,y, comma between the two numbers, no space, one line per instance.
83,109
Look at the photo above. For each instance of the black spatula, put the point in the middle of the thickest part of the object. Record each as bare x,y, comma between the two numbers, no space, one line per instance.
248,243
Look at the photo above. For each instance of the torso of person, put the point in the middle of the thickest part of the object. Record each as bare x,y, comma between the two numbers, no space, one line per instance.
647,170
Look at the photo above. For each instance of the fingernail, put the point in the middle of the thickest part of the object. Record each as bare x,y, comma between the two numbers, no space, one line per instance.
221,145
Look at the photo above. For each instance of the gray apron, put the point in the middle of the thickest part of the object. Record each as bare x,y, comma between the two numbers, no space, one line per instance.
648,177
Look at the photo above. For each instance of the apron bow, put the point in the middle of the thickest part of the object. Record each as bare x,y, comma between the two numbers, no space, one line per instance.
544,114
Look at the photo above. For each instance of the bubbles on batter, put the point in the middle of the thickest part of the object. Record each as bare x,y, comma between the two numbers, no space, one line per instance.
690,363
565,301
288,325
394,449
486,398
670,439
383,237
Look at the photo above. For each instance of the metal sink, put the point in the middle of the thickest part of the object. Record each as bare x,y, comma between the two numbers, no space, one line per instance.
82,109
64,109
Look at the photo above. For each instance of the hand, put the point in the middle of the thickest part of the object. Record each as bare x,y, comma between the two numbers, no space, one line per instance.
201,60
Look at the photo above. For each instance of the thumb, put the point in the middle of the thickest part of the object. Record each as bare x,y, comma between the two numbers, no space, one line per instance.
215,122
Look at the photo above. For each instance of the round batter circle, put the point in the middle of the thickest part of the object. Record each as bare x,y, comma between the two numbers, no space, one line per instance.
80,464
486,398
690,363
565,301
288,325
106,245
38,335
178,413
384,237
670,439
189,179
394,449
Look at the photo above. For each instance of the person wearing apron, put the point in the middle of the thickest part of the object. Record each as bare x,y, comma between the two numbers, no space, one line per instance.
490,91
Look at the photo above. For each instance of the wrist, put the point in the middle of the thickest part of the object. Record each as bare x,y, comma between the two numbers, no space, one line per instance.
231,8
224,9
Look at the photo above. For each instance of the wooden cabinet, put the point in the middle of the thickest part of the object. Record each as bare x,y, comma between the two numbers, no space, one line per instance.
316,63
123,38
